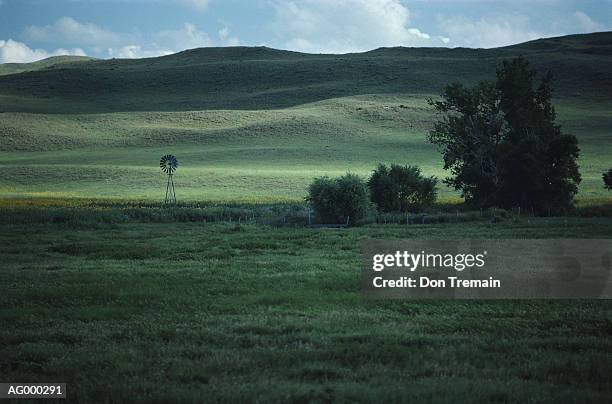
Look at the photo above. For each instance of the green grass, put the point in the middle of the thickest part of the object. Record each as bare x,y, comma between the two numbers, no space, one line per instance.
52,62
224,155
181,311
240,155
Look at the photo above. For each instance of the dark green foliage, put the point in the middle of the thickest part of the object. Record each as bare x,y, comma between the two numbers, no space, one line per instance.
470,134
607,179
539,164
502,145
336,200
401,188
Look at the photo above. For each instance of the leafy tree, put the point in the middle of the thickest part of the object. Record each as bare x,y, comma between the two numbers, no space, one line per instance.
337,199
502,145
469,134
607,178
401,188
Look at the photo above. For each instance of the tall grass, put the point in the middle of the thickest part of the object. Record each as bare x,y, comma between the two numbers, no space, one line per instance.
84,212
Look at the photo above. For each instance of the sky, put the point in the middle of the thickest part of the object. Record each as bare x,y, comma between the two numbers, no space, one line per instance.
31,30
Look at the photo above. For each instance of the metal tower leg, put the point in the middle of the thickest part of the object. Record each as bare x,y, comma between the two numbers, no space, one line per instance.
173,193
167,189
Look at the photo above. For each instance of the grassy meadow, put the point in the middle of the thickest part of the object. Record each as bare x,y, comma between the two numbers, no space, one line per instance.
223,311
264,156
247,156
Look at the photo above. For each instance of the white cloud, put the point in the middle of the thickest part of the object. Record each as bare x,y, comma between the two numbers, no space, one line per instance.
226,39
170,41
136,51
68,30
200,5
341,26
489,32
18,52
586,23
105,43
223,33
187,37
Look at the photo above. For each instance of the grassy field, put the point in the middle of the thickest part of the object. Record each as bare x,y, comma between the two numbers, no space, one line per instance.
181,311
259,155
229,296
257,124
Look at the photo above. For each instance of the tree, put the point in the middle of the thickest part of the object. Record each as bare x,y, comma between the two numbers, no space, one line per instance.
401,188
469,134
607,179
336,200
502,145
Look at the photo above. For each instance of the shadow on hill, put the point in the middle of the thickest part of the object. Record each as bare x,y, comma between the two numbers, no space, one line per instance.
264,78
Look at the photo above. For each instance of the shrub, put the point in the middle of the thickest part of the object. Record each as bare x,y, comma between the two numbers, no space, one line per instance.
607,179
337,199
401,188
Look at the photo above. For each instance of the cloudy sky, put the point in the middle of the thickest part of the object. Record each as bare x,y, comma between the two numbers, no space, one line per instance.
34,29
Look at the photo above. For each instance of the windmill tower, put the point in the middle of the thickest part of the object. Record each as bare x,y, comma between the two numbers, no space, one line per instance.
168,165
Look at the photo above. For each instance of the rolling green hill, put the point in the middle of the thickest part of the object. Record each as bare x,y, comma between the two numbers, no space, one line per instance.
257,124
48,63
263,78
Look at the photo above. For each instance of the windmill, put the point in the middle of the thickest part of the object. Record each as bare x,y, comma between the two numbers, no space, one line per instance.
168,165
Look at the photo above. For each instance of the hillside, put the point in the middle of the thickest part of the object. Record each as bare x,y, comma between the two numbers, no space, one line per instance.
260,78
48,63
257,124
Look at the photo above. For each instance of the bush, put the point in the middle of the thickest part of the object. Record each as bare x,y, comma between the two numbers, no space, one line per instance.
337,199
401,188
607,179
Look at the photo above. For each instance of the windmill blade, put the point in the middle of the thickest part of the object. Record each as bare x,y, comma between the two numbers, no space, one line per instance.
168,163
